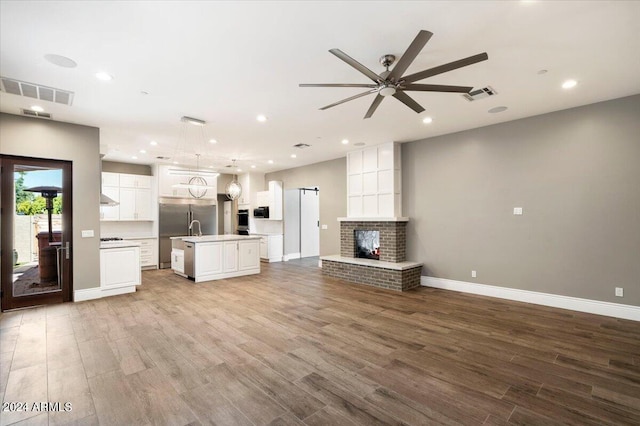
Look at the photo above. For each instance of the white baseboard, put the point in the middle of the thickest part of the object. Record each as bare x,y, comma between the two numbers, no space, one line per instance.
87,294
97,293
290,256
616,310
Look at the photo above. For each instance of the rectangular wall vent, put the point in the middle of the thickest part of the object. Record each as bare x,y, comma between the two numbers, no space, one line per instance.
31,113
485,92
36,91
301,145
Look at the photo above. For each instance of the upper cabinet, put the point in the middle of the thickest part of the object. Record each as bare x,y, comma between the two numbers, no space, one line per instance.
133,192
169,176
272,199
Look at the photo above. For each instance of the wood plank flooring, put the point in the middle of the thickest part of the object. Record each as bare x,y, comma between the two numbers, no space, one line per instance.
292,347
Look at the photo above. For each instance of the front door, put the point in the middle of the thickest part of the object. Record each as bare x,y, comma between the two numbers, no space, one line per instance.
36,261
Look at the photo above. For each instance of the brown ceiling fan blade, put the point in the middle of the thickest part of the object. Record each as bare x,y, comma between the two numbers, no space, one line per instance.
355,64
437,88
408,101
410,54
446,67
349,99
338,85
374,106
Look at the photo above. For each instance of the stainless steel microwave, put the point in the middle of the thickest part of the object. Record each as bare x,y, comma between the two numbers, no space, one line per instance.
261,212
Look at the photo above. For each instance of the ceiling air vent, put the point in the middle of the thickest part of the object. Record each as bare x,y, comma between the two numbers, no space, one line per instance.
162,157
36,91
31,113
301,145
485,92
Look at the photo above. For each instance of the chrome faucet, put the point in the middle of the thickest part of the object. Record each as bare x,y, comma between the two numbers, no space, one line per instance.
199,227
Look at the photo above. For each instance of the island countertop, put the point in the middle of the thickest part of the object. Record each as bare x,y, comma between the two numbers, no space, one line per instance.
215,238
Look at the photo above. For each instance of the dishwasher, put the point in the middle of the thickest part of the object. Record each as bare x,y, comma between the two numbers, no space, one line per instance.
190,260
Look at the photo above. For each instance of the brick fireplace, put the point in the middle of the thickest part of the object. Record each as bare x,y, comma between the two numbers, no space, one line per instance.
391,271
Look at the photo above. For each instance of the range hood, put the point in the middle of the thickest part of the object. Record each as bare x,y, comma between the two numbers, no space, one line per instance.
104,200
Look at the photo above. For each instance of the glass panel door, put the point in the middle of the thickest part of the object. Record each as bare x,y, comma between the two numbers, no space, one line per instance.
36,218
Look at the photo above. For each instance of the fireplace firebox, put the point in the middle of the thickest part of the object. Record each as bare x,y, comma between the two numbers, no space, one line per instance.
367,244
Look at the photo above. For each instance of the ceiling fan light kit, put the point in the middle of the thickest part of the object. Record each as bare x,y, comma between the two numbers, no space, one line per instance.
394,83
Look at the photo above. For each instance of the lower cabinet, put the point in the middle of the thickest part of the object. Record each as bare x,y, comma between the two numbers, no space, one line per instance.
225,259
120,269
148,252
271,248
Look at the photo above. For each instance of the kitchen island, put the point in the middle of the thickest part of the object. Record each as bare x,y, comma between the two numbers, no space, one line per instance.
215,257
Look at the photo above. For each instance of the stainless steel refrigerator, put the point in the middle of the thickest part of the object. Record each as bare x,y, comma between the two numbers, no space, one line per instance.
175,216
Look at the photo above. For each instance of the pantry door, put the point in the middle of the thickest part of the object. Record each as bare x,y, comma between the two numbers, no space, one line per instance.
36,227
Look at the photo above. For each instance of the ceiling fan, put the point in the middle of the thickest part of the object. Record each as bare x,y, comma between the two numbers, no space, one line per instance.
393,83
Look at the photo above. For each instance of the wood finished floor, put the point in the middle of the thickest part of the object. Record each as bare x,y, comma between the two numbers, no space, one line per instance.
291,347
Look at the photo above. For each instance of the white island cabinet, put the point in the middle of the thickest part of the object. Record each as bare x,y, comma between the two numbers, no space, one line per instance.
215,257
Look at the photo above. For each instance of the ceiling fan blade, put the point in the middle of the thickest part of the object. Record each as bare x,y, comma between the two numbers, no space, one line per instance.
408,101
355,64
437,88
338,85
349,99
374,106
446,67
410,54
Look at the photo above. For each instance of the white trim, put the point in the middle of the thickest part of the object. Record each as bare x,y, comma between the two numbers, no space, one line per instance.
616,310
87,294
378,264
290,256
98,292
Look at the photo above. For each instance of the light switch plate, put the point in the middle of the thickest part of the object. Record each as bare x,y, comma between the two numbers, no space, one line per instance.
517,210
473,274
87,233
325,227
619,292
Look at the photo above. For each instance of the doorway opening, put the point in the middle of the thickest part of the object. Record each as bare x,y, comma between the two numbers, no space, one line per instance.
36,231
302,224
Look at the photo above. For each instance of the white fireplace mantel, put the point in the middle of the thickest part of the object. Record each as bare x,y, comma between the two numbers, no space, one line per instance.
373,219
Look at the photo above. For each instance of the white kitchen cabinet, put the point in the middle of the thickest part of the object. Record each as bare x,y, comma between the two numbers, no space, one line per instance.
209,259
135,204
230,263
271,248
248,255
275,200
120,269
177,261
135,181
110,213
110,179
245,196
148,252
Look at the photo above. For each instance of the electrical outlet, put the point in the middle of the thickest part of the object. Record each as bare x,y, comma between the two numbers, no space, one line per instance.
473,274
87,233
325,227
517,211
619,292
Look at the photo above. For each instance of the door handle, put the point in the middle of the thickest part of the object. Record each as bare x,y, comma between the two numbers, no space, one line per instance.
66,250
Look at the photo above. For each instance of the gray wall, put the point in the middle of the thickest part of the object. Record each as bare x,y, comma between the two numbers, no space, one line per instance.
127,168
33,137
576,174
331,178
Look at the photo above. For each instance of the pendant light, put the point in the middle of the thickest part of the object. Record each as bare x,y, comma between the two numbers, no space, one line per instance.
233,188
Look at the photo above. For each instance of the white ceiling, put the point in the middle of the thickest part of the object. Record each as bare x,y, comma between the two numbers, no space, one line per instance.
226,62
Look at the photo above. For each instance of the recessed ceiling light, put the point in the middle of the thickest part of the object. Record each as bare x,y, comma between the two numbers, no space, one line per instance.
154,143
104,76
61,61
569,84
134,157
345,141
498,109
238,170
293,156
261,118
427,120
270,161
213,141
175,162
142,151
253,166
37,108
211,167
